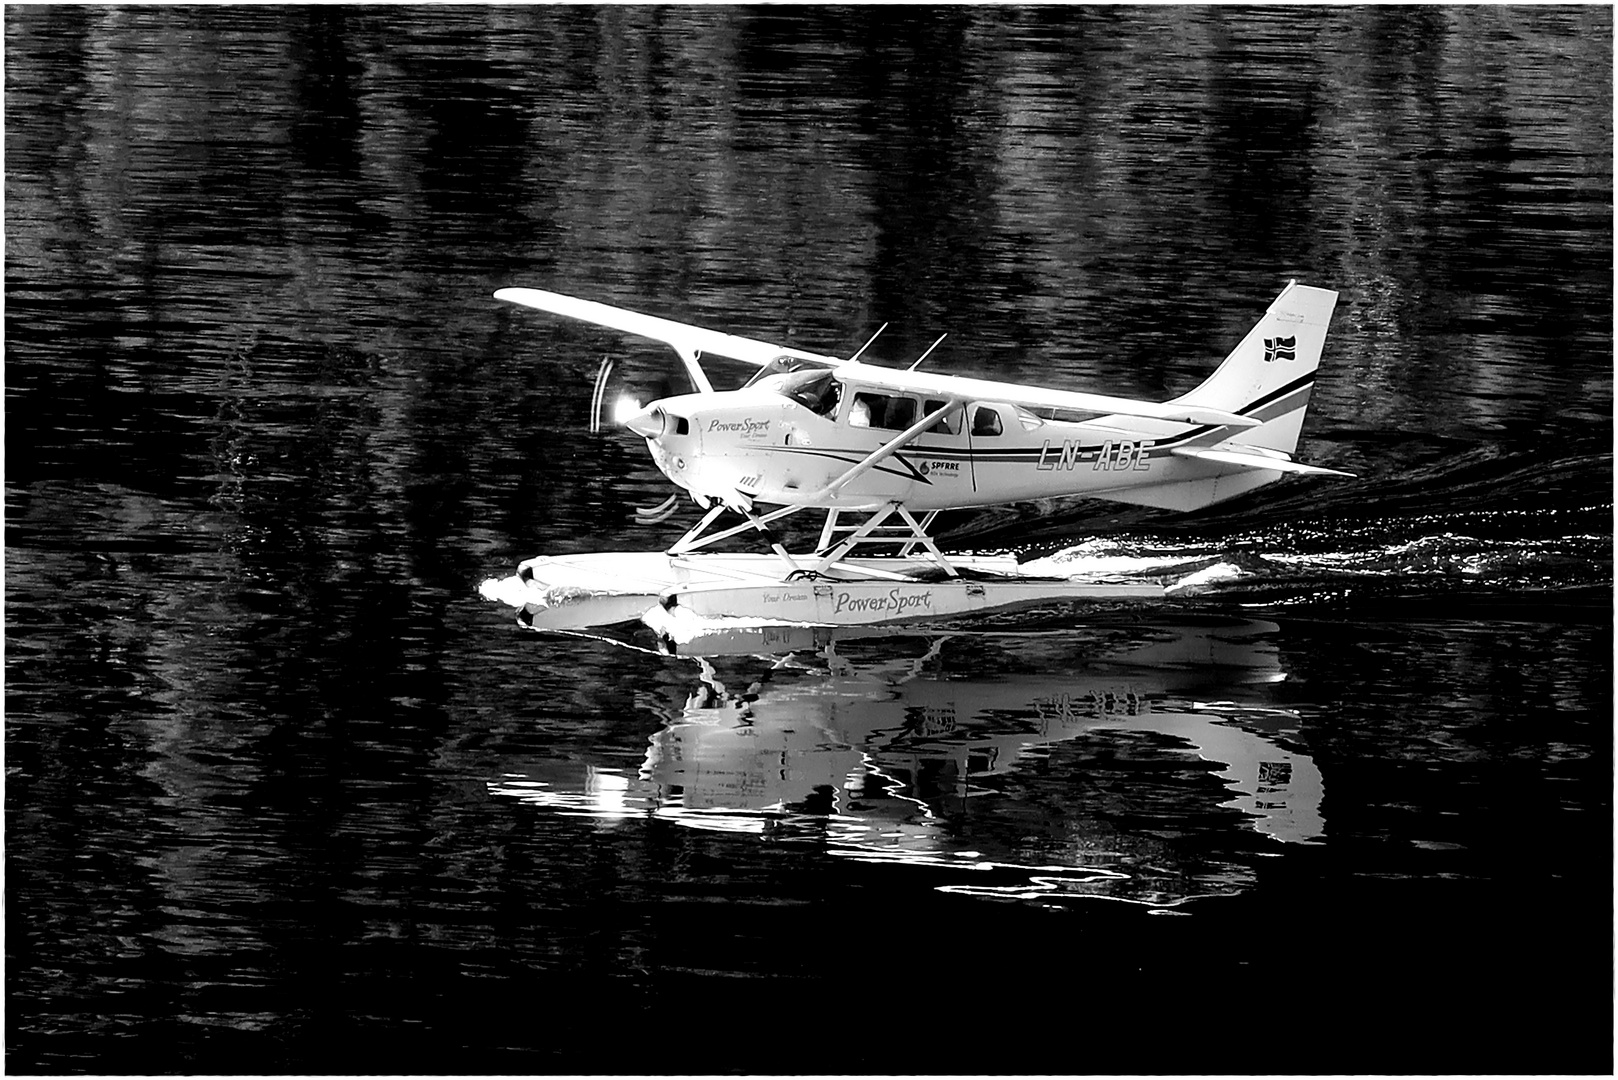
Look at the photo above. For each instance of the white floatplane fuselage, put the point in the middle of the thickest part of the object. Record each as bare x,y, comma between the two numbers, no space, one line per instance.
764,445
817,432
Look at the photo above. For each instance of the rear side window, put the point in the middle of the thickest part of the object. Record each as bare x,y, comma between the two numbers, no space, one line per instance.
948,424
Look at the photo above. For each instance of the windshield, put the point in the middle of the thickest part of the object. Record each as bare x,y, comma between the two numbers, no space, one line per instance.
814,389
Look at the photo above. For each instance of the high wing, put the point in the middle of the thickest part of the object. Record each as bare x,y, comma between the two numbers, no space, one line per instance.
1031,397
691,342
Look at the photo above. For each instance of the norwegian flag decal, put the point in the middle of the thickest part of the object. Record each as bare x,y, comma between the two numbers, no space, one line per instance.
1281,348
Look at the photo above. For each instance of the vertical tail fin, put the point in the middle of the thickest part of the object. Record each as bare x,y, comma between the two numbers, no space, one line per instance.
1270,374
1268,377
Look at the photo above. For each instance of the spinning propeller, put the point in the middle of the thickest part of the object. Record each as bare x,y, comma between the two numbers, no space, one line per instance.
625,406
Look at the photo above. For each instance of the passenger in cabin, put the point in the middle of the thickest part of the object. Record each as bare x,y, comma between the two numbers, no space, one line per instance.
985,421
882,411
901,413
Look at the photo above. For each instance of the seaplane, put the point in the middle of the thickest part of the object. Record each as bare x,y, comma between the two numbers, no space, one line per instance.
881,451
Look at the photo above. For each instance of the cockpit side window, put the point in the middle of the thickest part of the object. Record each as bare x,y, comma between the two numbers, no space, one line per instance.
882,411
816,389
948,424
986,421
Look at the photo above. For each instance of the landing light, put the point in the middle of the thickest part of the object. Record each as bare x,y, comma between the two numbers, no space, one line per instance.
624,408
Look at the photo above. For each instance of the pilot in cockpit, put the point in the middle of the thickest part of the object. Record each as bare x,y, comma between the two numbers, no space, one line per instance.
816,390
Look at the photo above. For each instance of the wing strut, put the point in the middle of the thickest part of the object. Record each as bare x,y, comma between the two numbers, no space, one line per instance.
759,523
694,539
914,533
830,554
885,451
831,550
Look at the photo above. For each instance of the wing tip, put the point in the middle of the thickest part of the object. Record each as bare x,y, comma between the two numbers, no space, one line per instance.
515,295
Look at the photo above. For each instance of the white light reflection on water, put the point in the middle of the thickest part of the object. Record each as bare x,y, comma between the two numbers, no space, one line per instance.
1094,775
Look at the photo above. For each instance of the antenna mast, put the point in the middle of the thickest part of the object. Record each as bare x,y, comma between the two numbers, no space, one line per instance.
928,353
867,345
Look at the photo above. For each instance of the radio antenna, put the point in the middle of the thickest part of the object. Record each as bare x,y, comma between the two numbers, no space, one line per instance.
867,345
928,353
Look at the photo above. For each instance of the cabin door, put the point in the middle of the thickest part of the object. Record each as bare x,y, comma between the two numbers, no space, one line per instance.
945,450
985,433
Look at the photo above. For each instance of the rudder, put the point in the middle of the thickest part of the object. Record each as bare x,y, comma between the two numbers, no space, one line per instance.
1270,375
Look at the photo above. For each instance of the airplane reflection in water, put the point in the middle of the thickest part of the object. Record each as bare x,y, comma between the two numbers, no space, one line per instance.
946,751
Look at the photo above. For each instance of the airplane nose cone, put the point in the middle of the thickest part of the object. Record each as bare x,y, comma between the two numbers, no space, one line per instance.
651,422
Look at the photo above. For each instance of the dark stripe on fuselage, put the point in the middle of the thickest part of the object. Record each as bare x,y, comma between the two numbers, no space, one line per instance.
854,457
1252,408
1303,382
1034,453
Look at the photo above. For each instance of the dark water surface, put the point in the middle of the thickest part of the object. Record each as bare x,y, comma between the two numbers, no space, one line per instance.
284,794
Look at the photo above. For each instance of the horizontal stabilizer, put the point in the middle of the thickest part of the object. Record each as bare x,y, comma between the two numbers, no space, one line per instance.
1031,397
684,338
1255,458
